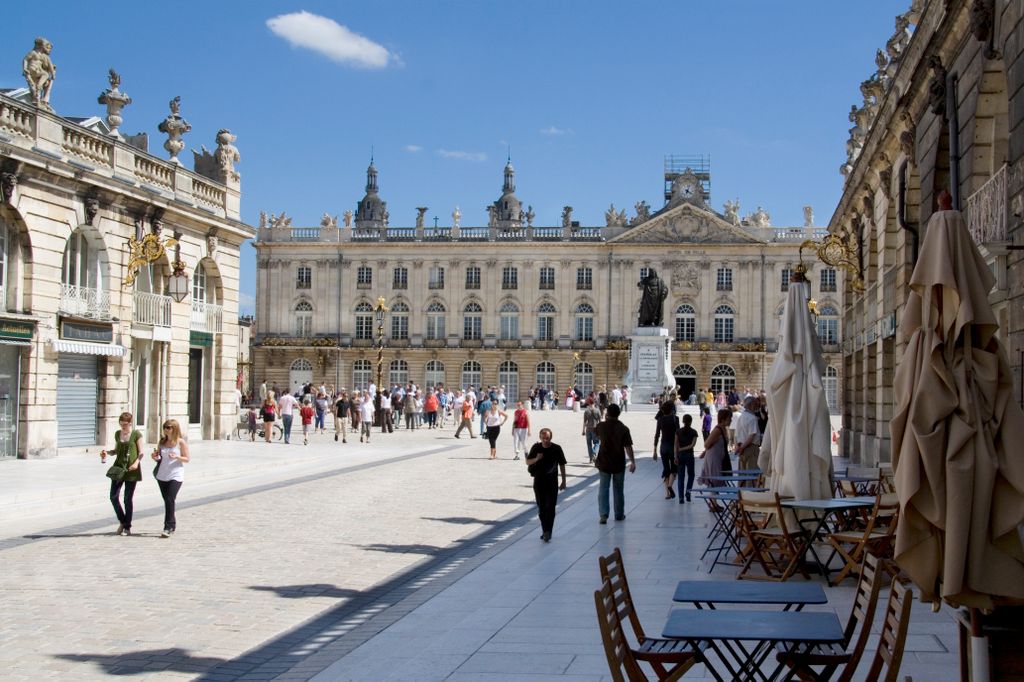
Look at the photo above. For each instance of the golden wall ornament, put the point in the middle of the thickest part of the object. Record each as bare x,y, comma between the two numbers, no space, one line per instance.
143,252
839,253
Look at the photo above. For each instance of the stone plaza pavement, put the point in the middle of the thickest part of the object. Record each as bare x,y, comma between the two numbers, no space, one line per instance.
410,558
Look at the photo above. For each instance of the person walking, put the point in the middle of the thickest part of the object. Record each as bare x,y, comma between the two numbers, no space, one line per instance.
591,418
171,456
465,407
286,408
127,447
321,404
366,412
616,445
307,414
748,436
705,422
493,420
355,401
520,429
626,394
269,413
341,411
544,461
716,453
667,425
685,441
430,407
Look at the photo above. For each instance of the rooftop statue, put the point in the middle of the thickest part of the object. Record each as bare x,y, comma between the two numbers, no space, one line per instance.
567,216
40,72
174,126
808,216
456,217
652,299
227,155
327,220
613,218
643,212
420,212
347,216
530,215
732,211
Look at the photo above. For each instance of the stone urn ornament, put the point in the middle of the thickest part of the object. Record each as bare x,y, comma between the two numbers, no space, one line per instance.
115,101
174,126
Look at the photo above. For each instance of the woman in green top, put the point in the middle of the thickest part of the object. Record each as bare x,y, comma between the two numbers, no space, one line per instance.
127,446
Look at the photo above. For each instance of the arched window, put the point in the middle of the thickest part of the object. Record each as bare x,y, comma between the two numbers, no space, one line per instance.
831,381
509,315
303,319
472,322
585,377
82,290
361,372
299,374
364,321
400,321
724,324
508,376
546,375
723,378
686,323
435,320
302,365
398,372
471,374
546,322
828,326
584,320
434,373
201,293
684,371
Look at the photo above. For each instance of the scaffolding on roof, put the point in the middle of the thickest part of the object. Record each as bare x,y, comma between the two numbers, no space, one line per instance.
676,165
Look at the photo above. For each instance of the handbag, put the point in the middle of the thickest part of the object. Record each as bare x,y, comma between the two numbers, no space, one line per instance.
116,473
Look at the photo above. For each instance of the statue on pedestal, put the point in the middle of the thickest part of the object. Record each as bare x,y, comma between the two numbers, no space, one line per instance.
652,300
40,73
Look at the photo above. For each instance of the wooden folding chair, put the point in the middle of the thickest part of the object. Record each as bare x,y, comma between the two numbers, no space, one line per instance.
867,472
621,662
770,543
669,658
830,656
877,537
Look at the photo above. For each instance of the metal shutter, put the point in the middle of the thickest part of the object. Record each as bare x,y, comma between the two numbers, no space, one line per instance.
77,397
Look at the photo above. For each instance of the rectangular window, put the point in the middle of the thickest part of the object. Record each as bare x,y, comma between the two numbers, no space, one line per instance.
400,326
401,278
473,277
436,280
547,278
303,324
686,329
828,279
472,327
584,278
304,278
585,328
545,328
724,279
828,331
435,326
364,277
364,326
786,274
509,327
723,329
510,277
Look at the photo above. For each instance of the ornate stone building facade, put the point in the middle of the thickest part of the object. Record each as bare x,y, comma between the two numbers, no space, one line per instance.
519,305
943,111
118,275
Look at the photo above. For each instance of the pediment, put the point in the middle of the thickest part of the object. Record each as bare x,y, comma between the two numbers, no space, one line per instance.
686,224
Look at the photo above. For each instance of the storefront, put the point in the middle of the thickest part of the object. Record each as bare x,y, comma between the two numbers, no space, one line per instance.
15,339
82,351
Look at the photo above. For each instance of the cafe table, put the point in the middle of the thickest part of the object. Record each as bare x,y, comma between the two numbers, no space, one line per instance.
729,634
724,533
733,478
707,593
820,511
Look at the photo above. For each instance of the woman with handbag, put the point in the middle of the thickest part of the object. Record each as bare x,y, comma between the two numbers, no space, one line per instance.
171,456
125,471
269,413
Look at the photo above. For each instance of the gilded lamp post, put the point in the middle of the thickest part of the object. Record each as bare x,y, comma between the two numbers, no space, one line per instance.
380,310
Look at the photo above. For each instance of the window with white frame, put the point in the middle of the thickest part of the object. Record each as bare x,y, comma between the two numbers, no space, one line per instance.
787,273
831,381
510,277
473,277
82,267
828,326
547,277
201,293
398,372
684,371
472,374
546,375
362,370
546,322
304,277
723,280
584,321
585,377
364,321
364,277
584,278
723,379
828,279
686,323
508,376
724,324
433,374
435,320
509,320
435,278
472,322
400,321
400,280
303,319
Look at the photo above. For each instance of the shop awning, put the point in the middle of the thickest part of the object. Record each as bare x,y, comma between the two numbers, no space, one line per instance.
84,348
15,342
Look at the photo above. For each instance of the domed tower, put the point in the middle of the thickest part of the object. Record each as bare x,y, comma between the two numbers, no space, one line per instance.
507,211
371,211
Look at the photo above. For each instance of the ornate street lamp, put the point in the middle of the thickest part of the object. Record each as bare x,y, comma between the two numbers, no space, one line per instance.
177,283
380,310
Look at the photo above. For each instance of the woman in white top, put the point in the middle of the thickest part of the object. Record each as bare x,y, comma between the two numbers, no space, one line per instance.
493,420
171,455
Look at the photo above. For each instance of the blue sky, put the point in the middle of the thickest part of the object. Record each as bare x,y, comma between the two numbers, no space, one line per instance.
589,95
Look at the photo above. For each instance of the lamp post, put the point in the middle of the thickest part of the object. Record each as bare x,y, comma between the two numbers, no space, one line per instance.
178,284
380,310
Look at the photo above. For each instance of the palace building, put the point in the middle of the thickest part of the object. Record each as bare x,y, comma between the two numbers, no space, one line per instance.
118,275
514,304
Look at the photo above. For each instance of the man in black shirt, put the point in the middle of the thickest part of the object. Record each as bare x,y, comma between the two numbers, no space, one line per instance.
544,462
616,445
341,416
685,440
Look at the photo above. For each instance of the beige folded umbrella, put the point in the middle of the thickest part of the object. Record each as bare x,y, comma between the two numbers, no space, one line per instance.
957,434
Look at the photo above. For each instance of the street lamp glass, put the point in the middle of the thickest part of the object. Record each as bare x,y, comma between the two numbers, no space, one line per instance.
178,286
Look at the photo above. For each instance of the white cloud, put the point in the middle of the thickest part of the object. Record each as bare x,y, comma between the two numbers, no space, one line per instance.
413,148
246,303
462,156
331,39
554,130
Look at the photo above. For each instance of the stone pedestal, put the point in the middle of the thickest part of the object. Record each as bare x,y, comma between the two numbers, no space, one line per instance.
650,363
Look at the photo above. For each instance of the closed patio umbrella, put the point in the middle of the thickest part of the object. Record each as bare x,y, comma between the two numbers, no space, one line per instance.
798,439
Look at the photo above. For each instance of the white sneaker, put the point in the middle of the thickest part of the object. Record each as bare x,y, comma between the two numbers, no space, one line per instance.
165,534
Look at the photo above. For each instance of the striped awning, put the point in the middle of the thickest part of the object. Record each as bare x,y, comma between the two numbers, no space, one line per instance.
15,342
85,348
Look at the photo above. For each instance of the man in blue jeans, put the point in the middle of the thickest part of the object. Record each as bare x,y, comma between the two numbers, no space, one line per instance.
616,445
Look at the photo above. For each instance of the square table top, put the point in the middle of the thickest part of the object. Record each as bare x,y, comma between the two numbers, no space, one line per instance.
733,477
728,490
856,479
820,627
749,592
833,504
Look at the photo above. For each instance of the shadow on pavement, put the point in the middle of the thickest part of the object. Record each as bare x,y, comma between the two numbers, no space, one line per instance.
462,520
313,590
149,661
404,549
502,500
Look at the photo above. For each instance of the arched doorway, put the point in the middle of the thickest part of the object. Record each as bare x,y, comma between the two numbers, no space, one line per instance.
508,376
300,374
723,379
686,380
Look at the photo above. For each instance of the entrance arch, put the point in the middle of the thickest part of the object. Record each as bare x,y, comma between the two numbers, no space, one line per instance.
686,380
300,374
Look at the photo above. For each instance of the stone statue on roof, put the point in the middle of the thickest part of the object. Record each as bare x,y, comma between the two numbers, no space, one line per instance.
732,211
530,215
567,216
613,218
327,220
456,217
421,211
643,212
347,217
40,72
